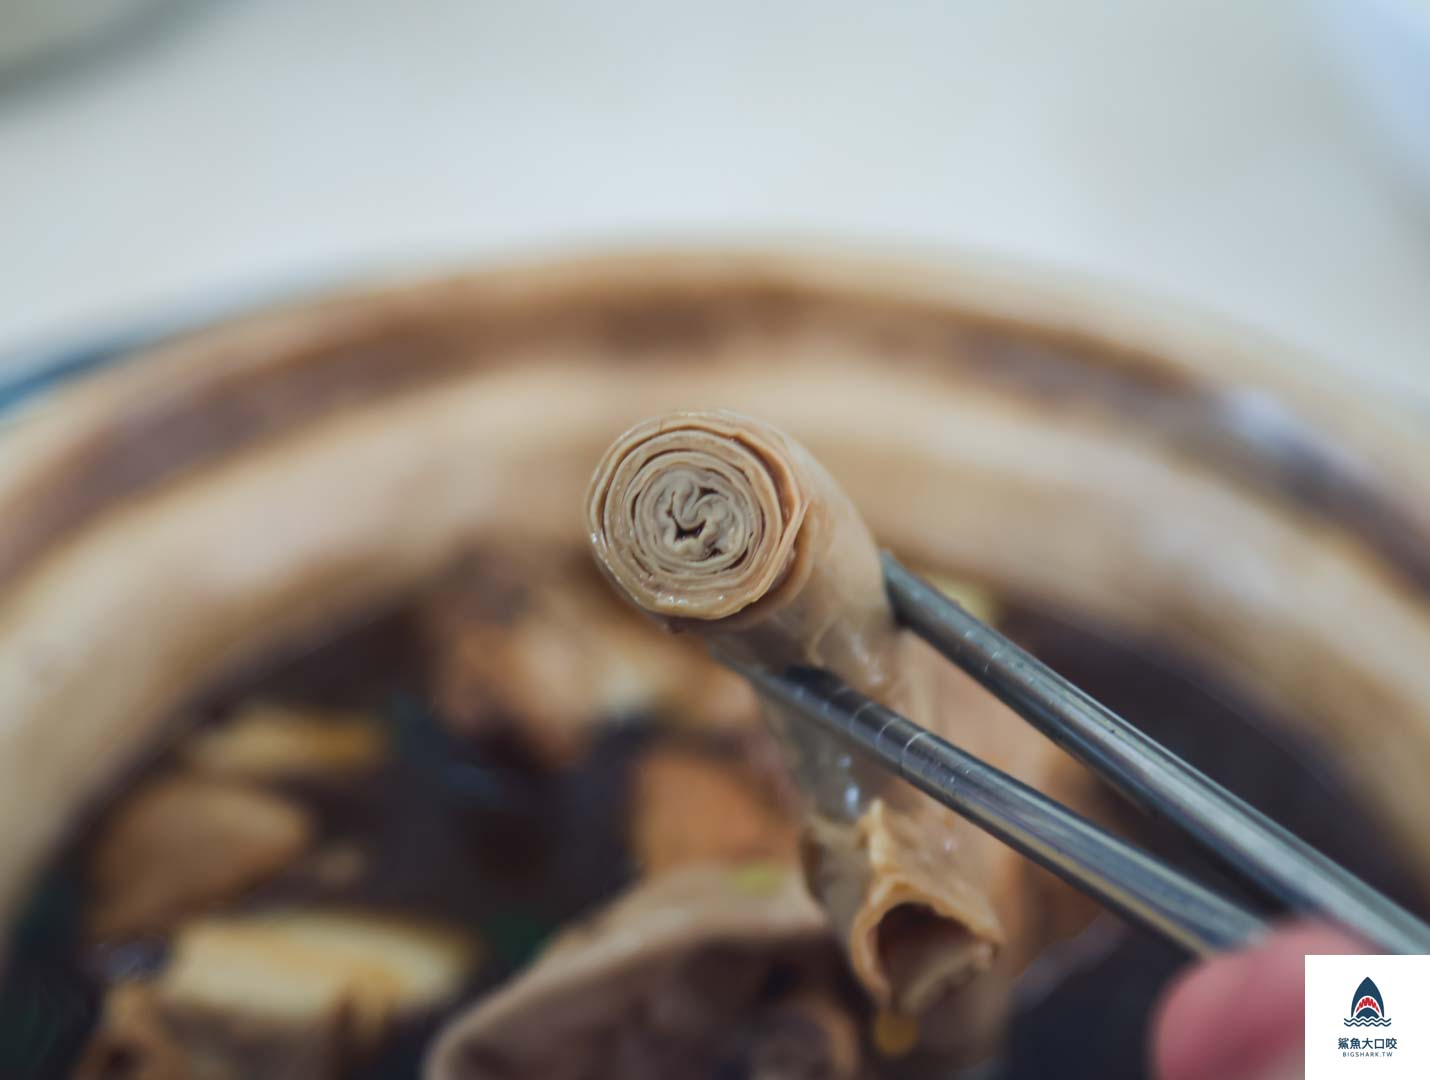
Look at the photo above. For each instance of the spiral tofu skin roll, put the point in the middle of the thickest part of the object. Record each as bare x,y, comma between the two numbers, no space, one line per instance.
720,525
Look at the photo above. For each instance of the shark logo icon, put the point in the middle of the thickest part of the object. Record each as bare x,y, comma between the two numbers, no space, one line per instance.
1367,1007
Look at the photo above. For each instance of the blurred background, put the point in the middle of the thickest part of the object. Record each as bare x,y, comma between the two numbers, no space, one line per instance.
159,159
163,162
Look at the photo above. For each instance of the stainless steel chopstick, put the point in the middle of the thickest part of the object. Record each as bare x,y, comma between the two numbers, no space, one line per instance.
1241,837
1119,875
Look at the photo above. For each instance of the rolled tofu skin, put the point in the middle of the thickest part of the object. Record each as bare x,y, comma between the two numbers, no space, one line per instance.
718,524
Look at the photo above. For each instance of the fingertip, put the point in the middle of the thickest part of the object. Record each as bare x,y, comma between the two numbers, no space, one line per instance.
1192,1005
1235,1013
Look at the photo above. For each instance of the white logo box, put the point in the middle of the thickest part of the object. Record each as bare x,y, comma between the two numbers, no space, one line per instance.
1395,1021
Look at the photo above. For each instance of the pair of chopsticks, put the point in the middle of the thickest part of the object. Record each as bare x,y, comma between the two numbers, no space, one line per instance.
1122,877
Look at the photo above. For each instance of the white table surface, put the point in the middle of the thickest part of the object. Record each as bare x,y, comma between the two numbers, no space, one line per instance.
1204,152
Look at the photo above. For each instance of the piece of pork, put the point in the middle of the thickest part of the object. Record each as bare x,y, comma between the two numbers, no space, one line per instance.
694,970
183,843
528,647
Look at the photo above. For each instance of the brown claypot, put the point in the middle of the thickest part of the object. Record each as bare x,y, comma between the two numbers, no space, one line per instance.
180,513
